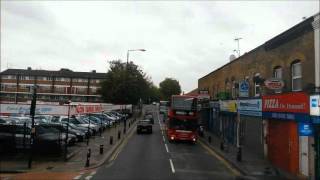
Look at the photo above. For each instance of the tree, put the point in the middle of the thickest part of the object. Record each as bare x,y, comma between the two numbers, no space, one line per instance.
125,84
169,87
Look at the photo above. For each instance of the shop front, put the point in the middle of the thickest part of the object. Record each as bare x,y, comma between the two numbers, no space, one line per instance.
252,126
214,122
228,121
287,147
315,118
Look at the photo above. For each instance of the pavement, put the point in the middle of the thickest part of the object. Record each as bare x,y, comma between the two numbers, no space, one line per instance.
251,166
54,167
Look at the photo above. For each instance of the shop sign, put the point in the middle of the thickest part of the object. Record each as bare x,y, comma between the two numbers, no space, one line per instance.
88,108
315,105
24,109
244,89
305,129
292,102
291,106
228,106
214,104
274,83
250,107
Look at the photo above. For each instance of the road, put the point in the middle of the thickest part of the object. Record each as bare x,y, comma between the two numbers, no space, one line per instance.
150,156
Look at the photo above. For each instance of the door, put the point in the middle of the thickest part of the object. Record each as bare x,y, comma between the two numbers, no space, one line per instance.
283,145
303,143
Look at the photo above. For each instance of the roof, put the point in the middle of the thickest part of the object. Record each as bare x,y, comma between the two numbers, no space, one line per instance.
292,33
60,73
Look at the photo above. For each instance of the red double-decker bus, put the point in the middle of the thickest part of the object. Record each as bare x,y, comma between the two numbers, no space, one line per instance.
182,121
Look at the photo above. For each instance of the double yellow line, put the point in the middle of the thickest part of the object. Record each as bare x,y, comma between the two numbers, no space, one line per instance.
119,149
223,161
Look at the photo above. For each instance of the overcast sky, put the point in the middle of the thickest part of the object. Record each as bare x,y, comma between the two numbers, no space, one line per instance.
184,39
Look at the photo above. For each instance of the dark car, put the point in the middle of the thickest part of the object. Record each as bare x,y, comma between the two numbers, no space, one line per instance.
150,117
144,126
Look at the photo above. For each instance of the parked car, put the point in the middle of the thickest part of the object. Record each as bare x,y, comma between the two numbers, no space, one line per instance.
47,134
82,121
76,122
107,121
14,136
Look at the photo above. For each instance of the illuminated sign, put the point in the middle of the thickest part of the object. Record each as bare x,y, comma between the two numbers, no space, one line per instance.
315,105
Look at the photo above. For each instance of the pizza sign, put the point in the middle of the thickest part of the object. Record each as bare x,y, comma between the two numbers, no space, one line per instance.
274,83
292,102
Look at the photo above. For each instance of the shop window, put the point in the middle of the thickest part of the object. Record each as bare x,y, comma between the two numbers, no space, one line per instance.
296,76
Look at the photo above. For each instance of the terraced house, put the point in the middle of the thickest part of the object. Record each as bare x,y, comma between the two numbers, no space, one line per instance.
271,86
53,86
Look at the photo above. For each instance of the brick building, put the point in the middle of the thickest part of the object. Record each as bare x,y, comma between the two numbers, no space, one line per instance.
280,56
53,86
264,129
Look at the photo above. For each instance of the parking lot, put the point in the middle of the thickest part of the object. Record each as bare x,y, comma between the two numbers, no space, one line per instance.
60,142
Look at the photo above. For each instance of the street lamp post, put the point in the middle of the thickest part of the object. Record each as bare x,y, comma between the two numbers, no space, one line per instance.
133,50
125,119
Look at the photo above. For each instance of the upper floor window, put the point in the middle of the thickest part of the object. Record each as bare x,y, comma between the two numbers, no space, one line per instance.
277,73
8,77
296,75
49,78
257,88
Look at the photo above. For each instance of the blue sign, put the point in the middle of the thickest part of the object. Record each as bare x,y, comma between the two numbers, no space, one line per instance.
305,129
244,89
299,117
250,107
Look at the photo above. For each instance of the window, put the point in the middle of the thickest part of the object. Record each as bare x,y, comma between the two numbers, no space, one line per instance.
23,78
257,88
277,73
49,78
8,77
296,75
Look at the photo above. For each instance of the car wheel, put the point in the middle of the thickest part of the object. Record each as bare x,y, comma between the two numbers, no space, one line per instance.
138,132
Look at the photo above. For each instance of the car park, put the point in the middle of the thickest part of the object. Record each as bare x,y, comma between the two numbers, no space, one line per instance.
108,121
144,126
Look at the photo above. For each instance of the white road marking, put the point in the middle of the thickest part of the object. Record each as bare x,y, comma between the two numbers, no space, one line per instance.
93,173
77,177
163,139
166,148
172,167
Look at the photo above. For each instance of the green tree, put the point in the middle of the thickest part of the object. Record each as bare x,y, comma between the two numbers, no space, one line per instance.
125,84
169,87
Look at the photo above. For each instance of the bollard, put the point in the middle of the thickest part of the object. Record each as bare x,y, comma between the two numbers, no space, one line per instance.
111,140
209,139
119,134
124,130
239,154
129,124
101,148
88,158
